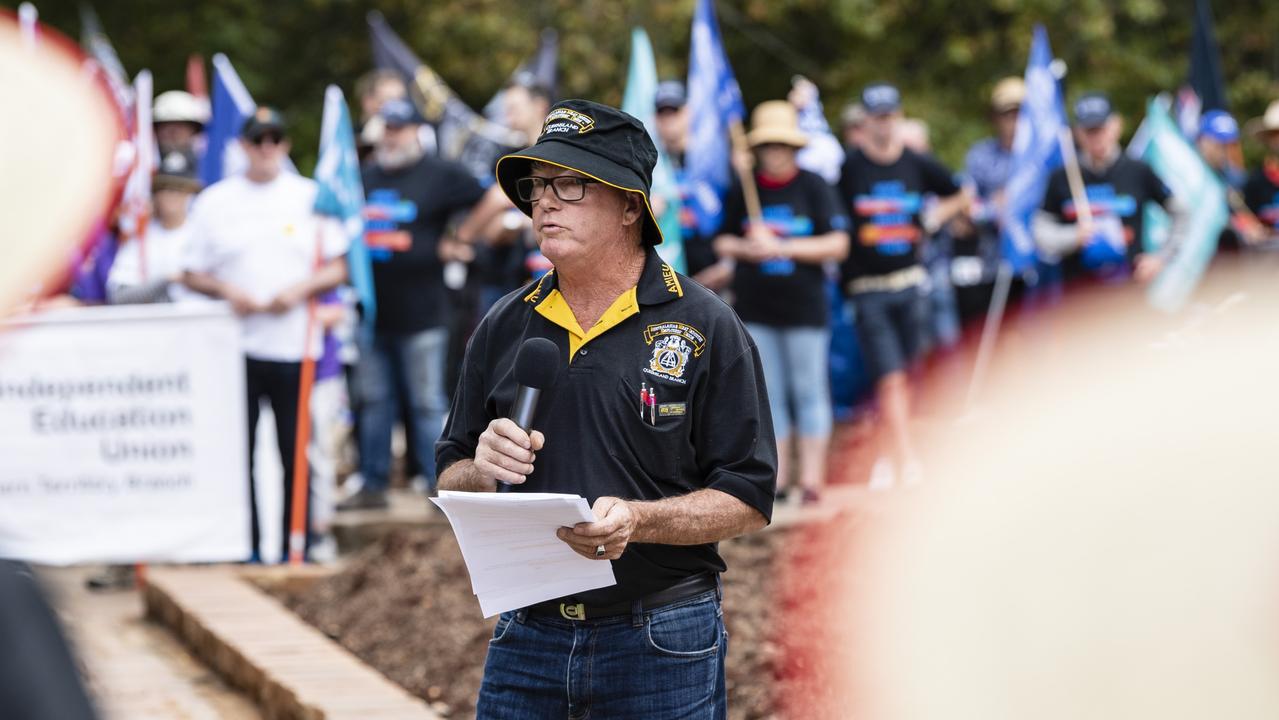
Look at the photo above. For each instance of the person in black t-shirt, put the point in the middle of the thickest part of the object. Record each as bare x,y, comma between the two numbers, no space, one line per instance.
506,255
1218,132
1261,191
671,107
883,185
657,415
779,286
1117,188
410,197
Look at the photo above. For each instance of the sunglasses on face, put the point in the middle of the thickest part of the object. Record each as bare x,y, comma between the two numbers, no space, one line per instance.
568,188
273,138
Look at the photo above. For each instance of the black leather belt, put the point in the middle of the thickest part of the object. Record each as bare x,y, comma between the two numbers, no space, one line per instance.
565,609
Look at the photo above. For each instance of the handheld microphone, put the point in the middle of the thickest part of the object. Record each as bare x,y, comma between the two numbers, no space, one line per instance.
535,366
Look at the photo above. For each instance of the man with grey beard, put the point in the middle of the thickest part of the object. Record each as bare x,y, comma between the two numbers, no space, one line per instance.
410,198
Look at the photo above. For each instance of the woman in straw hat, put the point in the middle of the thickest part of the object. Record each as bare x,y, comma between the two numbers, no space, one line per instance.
779,286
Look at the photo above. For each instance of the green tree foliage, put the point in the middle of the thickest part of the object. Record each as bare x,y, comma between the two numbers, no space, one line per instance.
944,54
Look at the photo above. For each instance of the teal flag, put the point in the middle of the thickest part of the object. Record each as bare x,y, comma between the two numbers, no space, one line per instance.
638,101
1185,173
341,193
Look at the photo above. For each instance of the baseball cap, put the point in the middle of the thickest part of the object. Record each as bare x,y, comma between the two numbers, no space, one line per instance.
595,140
1092,110
263,120
881,99
398,112
1219,125
670,95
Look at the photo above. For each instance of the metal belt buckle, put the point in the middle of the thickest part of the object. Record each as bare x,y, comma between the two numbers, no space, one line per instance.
576,611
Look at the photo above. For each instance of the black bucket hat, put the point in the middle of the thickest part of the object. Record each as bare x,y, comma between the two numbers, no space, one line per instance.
598,141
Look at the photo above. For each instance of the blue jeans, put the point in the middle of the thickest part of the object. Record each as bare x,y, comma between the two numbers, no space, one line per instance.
797,374
658,665
944,307
416,363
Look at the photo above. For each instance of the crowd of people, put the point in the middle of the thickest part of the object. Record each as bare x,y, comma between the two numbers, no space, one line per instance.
864,213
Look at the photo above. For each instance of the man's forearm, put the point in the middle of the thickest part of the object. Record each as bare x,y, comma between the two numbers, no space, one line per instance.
727,246
491,205
1053,239
330,275
463,476
203,283
946,209
817,248
700,517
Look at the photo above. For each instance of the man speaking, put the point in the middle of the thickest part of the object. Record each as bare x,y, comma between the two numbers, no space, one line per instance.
658,416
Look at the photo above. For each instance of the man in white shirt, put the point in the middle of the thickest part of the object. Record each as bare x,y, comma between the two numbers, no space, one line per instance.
256,243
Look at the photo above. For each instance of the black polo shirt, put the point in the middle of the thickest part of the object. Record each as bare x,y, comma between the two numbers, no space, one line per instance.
712,426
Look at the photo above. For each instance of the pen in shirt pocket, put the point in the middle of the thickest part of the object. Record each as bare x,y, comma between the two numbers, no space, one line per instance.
643,398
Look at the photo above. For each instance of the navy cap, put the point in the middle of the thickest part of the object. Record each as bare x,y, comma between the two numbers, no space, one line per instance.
1092,110
1219,125
262,121
881,99
670,95
398,112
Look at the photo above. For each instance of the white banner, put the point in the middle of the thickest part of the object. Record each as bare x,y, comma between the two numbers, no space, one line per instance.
122,436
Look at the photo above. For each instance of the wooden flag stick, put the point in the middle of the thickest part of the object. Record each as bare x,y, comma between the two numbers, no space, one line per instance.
1075,178
744,175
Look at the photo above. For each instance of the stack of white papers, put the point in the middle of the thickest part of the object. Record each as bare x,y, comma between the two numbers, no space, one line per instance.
511,551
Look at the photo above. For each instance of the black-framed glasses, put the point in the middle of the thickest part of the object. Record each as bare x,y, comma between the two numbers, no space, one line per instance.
568,188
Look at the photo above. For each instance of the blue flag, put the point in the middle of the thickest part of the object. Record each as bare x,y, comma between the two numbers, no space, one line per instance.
1036,154
340,193
232,104
1205,61
639,101
714,104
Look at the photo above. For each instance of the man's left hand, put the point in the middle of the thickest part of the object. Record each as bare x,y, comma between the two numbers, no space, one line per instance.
613,530
287,300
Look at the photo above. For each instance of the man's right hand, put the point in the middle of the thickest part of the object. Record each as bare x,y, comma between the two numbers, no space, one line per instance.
506,453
